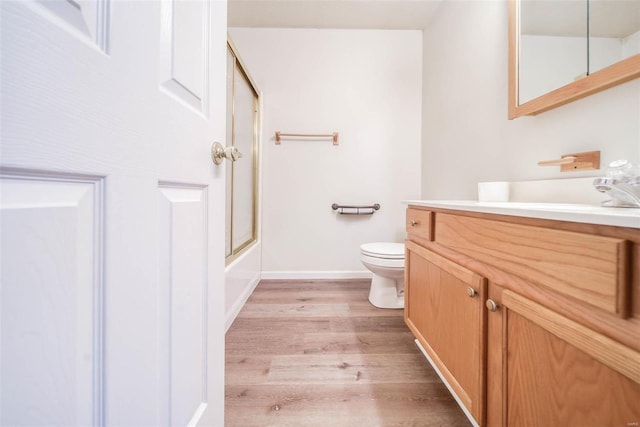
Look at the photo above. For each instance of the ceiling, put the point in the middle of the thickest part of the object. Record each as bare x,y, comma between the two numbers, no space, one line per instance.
609,18
348,14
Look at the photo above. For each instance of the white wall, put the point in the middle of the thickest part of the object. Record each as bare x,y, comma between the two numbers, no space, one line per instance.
364,84
466,135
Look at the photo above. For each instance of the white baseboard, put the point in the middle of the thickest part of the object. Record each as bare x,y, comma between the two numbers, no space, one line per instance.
310,275
233,312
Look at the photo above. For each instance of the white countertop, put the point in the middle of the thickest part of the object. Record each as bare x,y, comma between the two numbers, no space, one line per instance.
590,214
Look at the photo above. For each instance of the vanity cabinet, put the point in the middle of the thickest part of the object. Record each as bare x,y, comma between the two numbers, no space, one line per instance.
551,334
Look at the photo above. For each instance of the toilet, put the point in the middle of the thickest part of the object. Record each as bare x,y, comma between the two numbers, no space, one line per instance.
386,262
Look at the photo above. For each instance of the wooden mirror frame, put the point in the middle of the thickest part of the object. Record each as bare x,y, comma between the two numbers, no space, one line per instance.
620,72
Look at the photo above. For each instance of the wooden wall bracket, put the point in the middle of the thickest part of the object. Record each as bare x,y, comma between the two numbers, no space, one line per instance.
588,160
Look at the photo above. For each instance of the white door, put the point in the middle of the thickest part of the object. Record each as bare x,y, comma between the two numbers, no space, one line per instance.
112,220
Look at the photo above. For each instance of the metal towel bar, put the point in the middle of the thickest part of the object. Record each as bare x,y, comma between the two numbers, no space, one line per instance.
333,136
355,210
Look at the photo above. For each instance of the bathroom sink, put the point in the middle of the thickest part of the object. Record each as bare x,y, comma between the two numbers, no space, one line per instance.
574,212
559,207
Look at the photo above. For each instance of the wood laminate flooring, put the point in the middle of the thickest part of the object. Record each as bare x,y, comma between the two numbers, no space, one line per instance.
317,353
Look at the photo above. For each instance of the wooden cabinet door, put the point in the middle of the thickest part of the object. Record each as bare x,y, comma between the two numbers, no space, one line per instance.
444,311
546,370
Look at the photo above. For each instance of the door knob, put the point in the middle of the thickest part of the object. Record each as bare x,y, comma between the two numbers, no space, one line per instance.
491,305
219,153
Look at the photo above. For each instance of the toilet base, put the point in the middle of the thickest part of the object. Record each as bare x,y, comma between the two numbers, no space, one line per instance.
384,292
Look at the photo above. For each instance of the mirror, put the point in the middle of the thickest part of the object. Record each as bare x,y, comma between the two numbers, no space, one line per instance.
561,51
553,46
614,32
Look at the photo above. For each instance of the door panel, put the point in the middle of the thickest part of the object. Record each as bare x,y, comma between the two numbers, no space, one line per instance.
183,296
550,382
87,20
546,370
185,51
51,306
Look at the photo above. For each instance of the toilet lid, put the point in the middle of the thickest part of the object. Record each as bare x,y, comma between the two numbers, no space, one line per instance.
383,250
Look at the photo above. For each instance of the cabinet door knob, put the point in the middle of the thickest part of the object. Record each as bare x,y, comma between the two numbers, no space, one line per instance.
491,305
414,222
471,292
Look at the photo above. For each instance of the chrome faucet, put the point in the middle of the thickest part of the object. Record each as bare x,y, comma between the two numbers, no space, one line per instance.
623,194
622,184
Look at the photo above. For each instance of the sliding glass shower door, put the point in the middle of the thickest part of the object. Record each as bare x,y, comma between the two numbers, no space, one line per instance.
242,175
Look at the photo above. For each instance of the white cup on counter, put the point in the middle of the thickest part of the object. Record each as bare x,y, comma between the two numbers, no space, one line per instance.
497,191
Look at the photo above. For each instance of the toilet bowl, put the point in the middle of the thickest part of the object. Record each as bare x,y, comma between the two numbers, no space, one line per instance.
386,262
